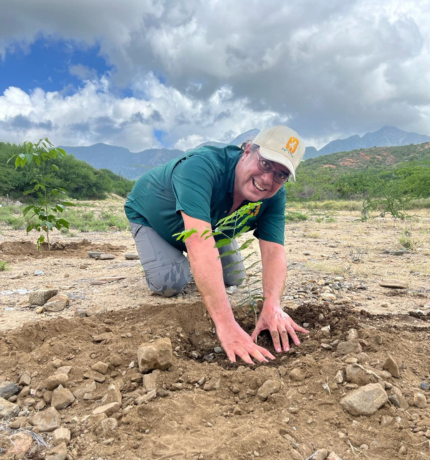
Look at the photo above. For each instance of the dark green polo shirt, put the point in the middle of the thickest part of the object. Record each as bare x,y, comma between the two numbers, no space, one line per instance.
201,184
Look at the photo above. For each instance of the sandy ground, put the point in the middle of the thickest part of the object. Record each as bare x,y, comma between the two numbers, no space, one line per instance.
346,258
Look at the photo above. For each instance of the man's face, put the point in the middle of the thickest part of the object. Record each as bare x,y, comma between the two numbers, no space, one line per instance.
251,183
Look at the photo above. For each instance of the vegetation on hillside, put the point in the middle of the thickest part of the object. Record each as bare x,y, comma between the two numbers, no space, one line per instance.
81,180
359,174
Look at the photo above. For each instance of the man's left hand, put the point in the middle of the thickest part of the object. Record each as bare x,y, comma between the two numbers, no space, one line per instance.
280,326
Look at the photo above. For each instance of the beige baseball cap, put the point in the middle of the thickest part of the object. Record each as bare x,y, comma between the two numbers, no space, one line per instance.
282,145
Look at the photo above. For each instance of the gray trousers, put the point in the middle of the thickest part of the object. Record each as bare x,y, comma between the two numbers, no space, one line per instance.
167,270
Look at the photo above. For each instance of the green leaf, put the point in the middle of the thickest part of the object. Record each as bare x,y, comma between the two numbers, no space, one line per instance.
64,223
185,234
30,228
223,242
55,168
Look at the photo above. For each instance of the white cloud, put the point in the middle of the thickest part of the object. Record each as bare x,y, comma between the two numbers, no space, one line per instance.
331,68
94,114
82,72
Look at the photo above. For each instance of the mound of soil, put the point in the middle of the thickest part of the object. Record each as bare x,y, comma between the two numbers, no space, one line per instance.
208,408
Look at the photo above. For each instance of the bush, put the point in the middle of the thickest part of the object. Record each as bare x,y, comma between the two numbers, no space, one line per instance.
295,216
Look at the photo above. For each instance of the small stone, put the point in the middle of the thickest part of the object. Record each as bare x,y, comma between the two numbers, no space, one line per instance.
61,435
351,360
58,453
365,400
150,380
94,254
41,296
339,377
93,375
103,337
391,366
146,398
320,454
8,389
155,355
38,273
39,310
403,451
359,376
297,375
46,421
21,443
113,395
352,334
268,388
8,409
56,380
212,385
218,350
333,456
57,303
108,409
420,401
62,398
93,310
386,420
345,348
100,367
64,370
85,389
131,256
109,425
24,380
393,284
106,256
423,385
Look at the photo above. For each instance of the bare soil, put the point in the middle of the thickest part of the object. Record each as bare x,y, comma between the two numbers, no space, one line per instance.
229,422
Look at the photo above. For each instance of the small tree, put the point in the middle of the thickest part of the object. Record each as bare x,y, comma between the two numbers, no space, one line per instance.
50,199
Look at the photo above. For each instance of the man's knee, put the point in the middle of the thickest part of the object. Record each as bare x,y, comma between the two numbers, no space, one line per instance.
168,281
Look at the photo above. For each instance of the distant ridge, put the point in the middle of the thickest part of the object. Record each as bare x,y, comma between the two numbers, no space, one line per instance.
132,165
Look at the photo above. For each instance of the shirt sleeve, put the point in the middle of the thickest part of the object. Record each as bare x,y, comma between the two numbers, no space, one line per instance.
270,224
193,180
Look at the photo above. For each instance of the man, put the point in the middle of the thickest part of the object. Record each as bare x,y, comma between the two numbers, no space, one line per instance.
196,191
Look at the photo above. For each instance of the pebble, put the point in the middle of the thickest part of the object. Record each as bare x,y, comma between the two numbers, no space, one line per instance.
365,400
108,409
8,409
41,296
297,375
62,398
47,421
423,385
218,350
345,348
38,273
391,366
155,355
57,303
420,401
8,389
61,435
268,388
56,380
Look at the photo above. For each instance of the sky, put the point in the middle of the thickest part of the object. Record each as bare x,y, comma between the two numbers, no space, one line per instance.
149,74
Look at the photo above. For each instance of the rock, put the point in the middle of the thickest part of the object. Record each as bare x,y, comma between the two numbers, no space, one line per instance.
84,389
8,389
156,355
150,380
41,296
386,420
339,377
212,385
423,385
391,366
115,359
58,453
359,376
268,388
327,296
131,256
108,409
146,398
100,367
8,409
94,254
352,334
403,451
62,398
420,401
38,273
106,256
21,443
297,375
320,454
93,375
64,370
344,348
333,456
39,310
46,421
24,380
398,399
55,381
365,400
113,395
103,337
93,310
61,435
109,425
57,303
392,284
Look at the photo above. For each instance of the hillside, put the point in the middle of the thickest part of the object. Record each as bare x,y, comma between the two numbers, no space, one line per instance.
350,174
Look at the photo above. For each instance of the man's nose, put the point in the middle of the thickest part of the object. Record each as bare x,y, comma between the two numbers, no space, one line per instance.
267,177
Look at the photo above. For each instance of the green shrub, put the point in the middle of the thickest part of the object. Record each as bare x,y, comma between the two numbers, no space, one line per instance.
295,216
3,266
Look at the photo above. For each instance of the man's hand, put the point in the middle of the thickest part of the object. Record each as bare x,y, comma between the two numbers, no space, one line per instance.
235,341
280,326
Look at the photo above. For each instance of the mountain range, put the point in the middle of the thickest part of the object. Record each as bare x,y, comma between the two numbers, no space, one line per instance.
132,165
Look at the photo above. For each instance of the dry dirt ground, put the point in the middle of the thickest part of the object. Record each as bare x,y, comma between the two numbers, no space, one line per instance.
206,407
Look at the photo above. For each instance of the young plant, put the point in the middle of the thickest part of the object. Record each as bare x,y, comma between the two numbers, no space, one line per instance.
227,230
51,200
3,266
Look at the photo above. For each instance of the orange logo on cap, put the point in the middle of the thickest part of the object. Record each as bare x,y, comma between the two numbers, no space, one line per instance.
292,145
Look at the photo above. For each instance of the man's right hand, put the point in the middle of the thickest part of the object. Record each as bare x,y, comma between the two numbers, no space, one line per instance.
236,342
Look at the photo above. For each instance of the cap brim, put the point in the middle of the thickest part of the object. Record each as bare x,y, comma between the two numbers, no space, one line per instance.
276,157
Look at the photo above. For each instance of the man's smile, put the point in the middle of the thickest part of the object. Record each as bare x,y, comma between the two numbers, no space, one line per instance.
258,186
